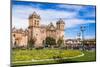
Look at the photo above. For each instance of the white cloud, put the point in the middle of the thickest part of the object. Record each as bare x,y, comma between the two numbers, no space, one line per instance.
21,13
19,23
89,37
75,21
86,37
73,7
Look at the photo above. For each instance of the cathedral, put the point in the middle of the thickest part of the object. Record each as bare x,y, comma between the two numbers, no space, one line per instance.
35,30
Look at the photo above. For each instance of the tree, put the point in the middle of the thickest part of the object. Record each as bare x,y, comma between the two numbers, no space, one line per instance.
50,41
31,43
60,42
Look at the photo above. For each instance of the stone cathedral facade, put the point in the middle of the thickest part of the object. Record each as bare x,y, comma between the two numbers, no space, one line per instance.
38,31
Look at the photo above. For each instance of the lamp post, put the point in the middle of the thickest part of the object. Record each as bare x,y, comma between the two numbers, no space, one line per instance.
82,31
79,34
78,39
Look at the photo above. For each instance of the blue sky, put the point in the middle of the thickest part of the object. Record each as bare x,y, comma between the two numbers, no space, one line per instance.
73,15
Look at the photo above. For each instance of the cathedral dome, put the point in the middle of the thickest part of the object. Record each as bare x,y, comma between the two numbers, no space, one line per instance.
60,21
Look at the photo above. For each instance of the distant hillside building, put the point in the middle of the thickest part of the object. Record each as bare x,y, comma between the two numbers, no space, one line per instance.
38,31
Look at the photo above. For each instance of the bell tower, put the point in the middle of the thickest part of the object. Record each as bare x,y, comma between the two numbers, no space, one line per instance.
34,28
34,20
60,24
34,23
60,29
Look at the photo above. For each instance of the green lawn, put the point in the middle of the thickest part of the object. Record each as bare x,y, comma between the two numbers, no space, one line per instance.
88,56
29,55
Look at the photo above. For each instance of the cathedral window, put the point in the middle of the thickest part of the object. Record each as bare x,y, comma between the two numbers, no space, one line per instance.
37,24
34,20
36,34
14,35
34,16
